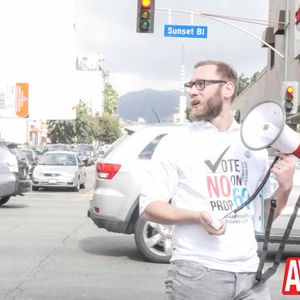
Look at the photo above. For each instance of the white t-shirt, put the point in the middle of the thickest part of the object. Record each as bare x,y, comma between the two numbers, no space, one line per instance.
200,168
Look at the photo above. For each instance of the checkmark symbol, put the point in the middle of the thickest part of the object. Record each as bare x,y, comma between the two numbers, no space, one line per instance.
214,167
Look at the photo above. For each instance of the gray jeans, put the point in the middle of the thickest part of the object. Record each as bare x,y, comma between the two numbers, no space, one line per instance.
191,280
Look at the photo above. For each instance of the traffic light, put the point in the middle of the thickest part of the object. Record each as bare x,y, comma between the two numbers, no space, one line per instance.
145,16
290,96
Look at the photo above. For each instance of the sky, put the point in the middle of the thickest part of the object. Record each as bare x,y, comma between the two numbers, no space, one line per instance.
40,40
137,61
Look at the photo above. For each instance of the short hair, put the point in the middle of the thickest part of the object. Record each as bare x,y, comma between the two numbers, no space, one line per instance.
224,70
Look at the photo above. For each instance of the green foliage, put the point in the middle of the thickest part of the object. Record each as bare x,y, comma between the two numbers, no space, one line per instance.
244,82
83,123
61,131
87,128
110,99
109,129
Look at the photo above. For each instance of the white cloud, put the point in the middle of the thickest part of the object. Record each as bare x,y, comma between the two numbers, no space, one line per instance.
129,82
152,60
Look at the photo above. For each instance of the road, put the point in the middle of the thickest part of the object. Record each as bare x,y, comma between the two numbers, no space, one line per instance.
50,250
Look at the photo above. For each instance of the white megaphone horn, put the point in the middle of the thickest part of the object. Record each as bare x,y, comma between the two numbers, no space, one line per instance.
264,126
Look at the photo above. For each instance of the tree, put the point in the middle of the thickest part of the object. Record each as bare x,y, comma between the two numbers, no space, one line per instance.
79,130
83,123
61,131
110,99
86,128
244,82
109,129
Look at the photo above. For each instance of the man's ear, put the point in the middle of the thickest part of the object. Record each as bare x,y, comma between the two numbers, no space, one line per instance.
229,89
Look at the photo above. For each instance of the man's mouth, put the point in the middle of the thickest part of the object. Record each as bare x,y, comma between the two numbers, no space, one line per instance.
195,103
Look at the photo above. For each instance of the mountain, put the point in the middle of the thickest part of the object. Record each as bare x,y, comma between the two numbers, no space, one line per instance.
149,104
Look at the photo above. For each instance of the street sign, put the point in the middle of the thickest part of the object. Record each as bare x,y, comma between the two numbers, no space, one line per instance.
185,31
14,100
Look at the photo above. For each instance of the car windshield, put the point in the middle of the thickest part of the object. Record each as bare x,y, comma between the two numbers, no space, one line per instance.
58,160
57,147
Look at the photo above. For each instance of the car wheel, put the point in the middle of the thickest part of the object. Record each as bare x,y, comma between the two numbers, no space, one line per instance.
153,240
35,188
77,187
3,200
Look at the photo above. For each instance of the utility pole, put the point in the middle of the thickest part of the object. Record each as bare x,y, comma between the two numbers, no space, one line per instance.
286,40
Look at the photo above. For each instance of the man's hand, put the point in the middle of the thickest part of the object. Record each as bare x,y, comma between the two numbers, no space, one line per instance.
283,171
206,220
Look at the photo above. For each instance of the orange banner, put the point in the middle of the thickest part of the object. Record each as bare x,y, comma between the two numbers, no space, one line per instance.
22,96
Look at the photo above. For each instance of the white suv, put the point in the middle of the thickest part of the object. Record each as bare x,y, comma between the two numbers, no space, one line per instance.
120,175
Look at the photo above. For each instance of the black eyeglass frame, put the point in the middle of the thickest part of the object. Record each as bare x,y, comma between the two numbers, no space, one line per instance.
202,83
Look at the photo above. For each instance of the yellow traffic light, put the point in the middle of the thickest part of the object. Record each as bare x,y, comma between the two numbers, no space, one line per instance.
290,96
145,16
146,3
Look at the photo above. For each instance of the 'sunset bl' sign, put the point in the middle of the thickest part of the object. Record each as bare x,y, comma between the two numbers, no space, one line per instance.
291,281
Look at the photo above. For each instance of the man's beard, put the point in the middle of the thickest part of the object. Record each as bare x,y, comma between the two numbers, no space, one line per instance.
211,110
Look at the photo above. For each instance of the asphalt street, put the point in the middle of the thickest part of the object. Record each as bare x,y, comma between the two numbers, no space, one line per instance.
50,249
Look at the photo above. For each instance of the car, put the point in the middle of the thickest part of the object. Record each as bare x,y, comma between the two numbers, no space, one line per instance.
87,153
59,169
32,158
24,181
120,174
14,177
8,174
85,157
58,147
280,224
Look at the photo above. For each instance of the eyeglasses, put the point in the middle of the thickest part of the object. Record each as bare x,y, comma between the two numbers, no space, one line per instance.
201,83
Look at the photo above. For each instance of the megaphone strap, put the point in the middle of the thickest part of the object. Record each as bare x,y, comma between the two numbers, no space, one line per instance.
263,255
270,271
256,192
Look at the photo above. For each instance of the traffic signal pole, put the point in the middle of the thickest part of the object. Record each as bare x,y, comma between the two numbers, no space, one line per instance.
286,41
205,15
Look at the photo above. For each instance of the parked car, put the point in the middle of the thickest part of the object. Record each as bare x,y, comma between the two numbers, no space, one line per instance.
85,157
120,174
40,149
14,178
87,153
24,181
32,158
58,147
8,174
61,169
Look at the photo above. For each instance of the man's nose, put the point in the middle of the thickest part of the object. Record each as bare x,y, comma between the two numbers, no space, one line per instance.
193,90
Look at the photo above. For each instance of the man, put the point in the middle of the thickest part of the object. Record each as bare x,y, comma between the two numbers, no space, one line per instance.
207,172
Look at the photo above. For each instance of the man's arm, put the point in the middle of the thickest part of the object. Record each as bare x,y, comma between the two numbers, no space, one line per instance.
283,170
165,213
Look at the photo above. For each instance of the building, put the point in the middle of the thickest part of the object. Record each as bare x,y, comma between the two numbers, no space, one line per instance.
91,78
37,57
283,33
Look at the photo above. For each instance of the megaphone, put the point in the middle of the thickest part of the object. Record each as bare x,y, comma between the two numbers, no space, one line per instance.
264,126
